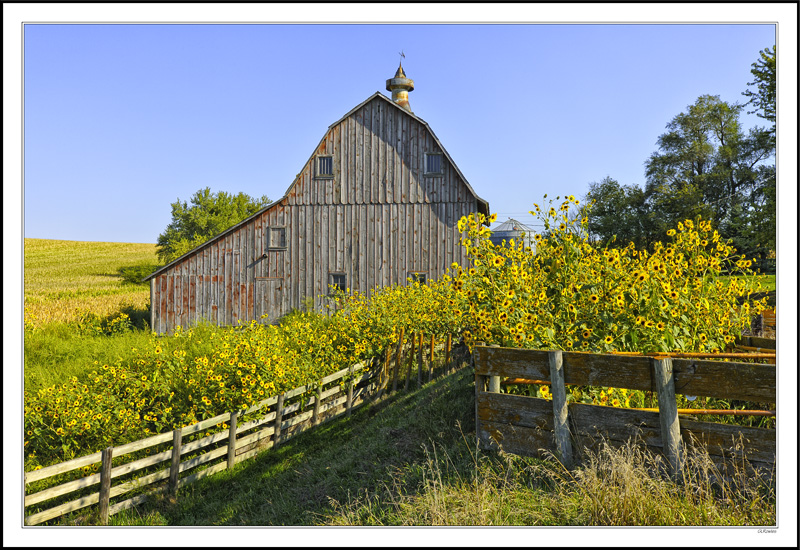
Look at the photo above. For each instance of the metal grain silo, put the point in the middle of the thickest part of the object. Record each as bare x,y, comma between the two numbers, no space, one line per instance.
512,229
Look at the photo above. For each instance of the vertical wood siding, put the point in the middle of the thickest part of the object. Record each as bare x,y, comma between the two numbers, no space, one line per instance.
376,220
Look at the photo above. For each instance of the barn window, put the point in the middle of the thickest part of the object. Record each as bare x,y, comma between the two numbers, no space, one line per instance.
324,166
337,282
418,277
277,237
433,164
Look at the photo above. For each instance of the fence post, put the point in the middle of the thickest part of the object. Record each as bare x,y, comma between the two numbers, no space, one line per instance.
447,353
668,415
560,409
349,404
175,465
105,484
410,360
430,364
420,359
494,381
232,440
276,436
480,386
397,359
315,414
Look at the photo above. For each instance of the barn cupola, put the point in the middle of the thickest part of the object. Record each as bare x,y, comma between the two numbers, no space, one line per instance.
400,86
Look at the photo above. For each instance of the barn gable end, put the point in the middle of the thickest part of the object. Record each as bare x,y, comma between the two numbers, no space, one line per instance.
362,212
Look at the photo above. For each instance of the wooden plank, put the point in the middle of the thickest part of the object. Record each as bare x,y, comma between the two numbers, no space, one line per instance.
668,415
145,443
63,489
745,381
137,483
728,380
757,342
249,425
63,467
359,157
203,473
203,459
255,437
616,424
153,305
141,463
204,442
372,157
512,363
723,440
131,502
519,410
520,440
65,508
202,425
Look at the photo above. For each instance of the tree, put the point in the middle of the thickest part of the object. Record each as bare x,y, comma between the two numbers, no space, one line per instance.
764,97
619,213
208,215
707,165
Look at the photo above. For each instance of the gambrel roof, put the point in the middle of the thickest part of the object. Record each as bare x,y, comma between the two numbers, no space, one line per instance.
483,205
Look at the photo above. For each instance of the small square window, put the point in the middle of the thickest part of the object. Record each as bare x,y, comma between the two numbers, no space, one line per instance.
433,164
324,166
418,277
277,237
337,282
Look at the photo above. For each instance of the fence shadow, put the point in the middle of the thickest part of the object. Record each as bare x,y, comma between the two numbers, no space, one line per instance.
300,482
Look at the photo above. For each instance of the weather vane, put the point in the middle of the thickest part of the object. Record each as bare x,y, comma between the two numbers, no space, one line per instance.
402,55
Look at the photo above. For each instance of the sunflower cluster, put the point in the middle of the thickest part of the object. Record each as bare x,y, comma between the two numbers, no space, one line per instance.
570,294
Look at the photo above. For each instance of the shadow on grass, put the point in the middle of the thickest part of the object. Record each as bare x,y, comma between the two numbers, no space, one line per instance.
381,445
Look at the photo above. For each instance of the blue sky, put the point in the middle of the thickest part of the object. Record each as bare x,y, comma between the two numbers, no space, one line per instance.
121,120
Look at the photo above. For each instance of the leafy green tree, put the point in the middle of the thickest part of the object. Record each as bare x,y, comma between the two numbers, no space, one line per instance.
763,99
619,213
207,215
707,165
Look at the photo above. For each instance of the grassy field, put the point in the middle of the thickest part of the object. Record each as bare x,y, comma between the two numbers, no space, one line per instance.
65,278
410,459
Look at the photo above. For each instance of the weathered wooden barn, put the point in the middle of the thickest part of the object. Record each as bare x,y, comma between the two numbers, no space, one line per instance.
377,202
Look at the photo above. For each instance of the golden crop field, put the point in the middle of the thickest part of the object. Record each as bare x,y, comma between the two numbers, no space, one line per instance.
64,279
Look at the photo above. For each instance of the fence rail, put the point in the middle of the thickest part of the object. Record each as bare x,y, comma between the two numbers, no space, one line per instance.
239,442
276,420
531,426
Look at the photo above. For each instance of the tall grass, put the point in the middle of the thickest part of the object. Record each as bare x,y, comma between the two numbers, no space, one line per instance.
616,486
410,459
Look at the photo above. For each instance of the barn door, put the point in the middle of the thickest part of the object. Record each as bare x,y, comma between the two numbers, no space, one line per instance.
269,299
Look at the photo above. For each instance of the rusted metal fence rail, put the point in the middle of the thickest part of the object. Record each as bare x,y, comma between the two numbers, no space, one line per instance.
532,426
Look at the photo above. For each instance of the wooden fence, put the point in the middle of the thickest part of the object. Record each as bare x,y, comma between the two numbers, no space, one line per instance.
532,426
194,452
